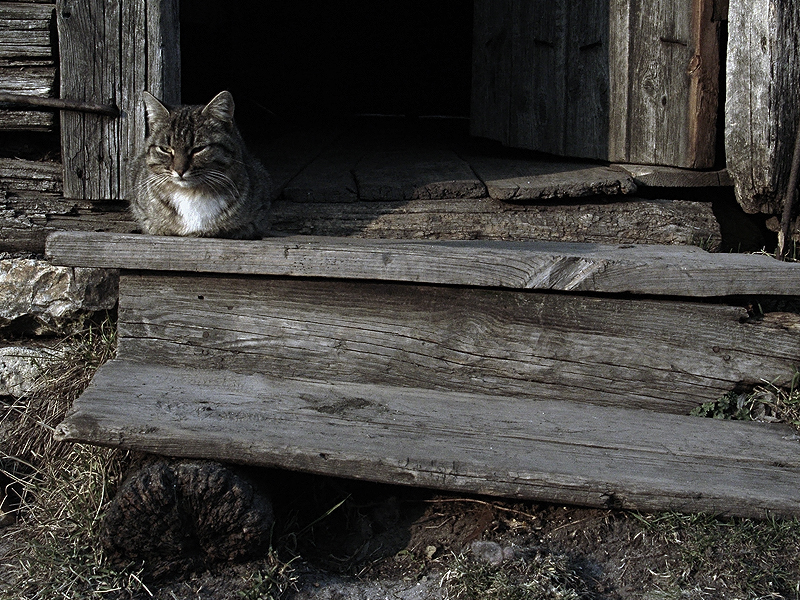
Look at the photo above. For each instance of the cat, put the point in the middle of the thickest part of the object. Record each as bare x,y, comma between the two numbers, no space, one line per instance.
195,176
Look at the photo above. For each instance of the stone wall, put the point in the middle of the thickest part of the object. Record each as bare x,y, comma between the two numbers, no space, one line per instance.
41,305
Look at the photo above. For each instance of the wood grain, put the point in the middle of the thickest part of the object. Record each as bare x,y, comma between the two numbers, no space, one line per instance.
514,180
667,356
672,177
27,63
763,68
488,444
663,270
127,47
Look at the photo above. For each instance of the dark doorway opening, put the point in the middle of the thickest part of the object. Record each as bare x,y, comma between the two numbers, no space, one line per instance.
294,61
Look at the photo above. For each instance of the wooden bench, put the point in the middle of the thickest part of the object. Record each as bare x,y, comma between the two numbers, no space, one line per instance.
558,372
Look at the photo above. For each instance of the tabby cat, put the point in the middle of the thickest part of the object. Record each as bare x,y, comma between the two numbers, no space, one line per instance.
196,177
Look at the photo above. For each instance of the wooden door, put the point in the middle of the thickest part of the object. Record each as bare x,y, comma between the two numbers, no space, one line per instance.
111,50
631,81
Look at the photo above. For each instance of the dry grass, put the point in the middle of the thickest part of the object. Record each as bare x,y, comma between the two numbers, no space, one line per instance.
62,488
742,558
534,577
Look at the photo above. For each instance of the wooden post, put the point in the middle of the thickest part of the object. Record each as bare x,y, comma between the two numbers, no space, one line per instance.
109,53
762,109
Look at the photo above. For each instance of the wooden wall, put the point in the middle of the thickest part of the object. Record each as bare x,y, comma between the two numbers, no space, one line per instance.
127,47
632,81
27,61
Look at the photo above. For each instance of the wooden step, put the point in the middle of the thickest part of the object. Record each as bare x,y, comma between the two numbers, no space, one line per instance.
517,369
572,267
482,443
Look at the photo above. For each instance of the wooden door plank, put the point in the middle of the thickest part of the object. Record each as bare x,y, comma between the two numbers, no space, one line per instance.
673,67
109,53
666,356
537,63
520,179
587,79
521,448
666,270
761,119
491,69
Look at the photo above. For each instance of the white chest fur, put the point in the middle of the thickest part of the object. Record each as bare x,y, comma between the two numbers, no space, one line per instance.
199,212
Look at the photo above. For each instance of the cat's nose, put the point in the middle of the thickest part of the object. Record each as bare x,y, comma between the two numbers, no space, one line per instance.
180,164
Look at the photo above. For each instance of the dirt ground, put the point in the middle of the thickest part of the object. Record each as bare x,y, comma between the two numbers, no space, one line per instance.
386,542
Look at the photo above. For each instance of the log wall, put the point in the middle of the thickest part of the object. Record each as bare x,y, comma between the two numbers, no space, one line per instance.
27,62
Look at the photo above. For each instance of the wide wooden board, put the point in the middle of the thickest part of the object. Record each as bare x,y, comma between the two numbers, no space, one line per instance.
521,448
519,180
664,270
109,53
663,355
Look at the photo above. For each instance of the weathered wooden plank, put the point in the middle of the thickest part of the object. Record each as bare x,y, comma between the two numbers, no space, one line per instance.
109,53
519,179
630,222
27,62
26,120
491,69
25,30
626,81
672,177
761,117
666,356
429,173
704,91
667,270
18,176
587,79
311,165
521,448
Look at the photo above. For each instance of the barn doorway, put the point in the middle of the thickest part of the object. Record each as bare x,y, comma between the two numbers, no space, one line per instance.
294,62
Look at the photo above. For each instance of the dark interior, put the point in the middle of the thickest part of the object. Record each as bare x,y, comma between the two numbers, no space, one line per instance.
298,61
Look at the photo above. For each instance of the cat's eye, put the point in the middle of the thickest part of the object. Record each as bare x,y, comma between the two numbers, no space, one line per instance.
198,149
164,149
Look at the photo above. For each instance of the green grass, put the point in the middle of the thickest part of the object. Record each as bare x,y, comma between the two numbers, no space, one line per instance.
765,403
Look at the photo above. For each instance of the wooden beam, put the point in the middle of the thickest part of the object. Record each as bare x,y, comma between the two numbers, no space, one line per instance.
58,104
479,443
656,354
662,270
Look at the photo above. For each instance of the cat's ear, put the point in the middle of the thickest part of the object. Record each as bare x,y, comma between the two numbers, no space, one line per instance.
221,107
157,113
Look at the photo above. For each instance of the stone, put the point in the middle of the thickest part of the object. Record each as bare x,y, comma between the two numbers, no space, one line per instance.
490,553
37,298
21,367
